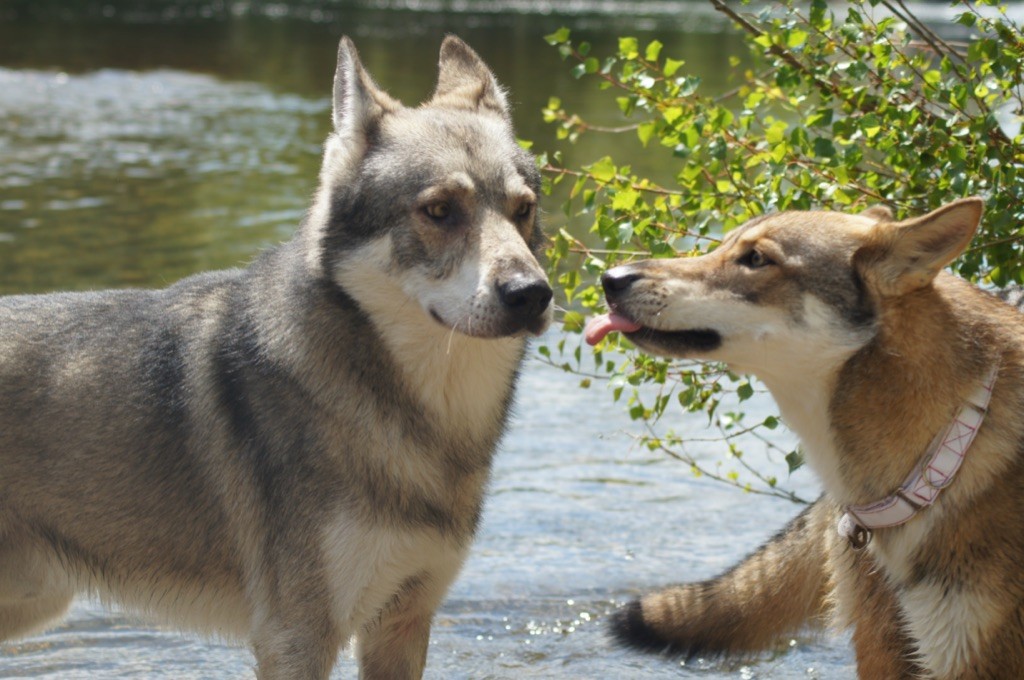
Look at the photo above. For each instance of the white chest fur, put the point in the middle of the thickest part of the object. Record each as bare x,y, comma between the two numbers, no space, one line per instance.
463,380
804,405
948,626
368,566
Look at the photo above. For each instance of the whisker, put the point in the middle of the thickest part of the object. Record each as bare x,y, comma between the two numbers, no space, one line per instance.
451,336
468,318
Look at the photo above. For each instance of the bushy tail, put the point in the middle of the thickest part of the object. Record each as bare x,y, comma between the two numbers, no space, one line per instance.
778,589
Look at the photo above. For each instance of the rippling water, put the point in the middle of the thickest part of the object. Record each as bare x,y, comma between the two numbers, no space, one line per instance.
137,154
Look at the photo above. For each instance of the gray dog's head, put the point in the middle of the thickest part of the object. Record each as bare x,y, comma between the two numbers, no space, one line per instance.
431,210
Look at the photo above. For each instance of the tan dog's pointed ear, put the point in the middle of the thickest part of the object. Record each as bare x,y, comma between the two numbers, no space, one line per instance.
905,256
358,102
879,213
465,82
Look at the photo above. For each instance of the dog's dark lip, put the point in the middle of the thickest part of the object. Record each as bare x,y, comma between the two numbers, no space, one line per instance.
535,327
699,339
691,339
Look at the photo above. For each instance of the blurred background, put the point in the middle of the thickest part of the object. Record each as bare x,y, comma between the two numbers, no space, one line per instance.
142,141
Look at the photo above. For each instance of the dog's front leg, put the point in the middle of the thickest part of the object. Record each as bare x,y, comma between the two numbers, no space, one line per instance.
395,644
397,648
303,646
883,649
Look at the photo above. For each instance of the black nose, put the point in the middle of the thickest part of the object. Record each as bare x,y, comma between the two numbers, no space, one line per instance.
527,297
617,280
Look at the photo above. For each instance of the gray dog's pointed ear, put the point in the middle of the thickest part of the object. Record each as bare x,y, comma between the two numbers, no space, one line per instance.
905,256
465,82
358,102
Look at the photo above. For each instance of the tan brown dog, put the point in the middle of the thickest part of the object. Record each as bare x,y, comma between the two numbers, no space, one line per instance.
883,365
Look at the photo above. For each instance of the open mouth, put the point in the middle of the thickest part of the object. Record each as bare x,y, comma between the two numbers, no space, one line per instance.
675,342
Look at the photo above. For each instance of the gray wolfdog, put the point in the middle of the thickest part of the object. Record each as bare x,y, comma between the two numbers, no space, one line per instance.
294,453
906,387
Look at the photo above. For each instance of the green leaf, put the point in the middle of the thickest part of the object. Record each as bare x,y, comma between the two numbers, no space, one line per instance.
780,151
603,170
625,199
628,48
671,66
968,19
559,36
824,148
578,186
645,131
573,322
745,391
689,86
795,460
653,50
776,132
796,38
672,114
818,14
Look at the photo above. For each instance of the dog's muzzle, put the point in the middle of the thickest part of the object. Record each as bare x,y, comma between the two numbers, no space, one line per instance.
618,283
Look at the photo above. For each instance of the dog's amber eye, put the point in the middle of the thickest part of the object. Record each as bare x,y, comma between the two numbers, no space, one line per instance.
439,210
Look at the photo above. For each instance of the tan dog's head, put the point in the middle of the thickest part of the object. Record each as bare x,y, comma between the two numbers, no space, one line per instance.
783,289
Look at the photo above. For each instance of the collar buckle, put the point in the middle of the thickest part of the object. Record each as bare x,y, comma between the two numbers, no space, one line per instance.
853,531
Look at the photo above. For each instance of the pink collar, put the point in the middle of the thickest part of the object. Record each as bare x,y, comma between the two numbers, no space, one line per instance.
939,465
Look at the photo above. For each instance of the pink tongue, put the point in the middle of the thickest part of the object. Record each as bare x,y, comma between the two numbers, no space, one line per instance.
600,326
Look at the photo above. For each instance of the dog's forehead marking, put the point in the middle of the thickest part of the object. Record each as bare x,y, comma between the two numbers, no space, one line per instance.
460,180
460,183
734,236
482,148
800,232
457,182
517,189
802,223
443,129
